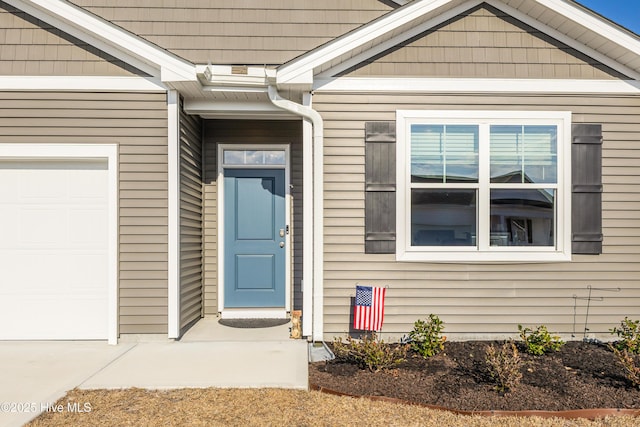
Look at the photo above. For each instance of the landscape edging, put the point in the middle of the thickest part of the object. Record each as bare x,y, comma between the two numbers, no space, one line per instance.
590,414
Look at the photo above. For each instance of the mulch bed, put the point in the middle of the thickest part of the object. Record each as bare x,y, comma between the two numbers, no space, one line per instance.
579,376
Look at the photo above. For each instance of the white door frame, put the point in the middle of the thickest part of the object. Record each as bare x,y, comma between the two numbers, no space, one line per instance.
254,312
86,151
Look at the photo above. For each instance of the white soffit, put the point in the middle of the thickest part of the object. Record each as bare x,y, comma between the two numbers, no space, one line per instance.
109,38
566,21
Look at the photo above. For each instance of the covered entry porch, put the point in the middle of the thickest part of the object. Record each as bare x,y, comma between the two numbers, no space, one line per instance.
243,207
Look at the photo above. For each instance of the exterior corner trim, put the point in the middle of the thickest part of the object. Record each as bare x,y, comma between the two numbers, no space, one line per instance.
173,268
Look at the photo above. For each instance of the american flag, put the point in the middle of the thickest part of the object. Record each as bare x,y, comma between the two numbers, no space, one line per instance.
368,311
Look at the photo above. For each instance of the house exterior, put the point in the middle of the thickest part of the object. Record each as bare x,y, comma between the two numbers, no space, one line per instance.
161,162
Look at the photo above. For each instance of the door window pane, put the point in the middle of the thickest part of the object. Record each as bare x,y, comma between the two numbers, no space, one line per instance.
444,153
254,157
443,217
522,217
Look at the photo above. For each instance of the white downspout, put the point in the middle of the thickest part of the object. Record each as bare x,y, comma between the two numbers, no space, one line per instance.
313,258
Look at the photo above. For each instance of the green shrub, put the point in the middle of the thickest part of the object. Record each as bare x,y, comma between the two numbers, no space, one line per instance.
369,352
629,332
539,341
505,365
426,337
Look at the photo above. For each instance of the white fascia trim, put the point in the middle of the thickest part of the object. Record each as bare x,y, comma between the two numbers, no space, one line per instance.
473,85
87,151
81,83
173,117
108,37
303,65
580,17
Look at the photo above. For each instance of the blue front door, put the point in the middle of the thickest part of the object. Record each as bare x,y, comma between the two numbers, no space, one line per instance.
254,238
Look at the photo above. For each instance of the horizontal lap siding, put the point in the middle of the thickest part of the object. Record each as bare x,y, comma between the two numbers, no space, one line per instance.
210,224
477,299
239,31
248,132
31,47
190,219
138,124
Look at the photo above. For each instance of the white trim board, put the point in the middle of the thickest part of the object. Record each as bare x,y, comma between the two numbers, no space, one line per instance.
173,169
86,151
474,85
81,83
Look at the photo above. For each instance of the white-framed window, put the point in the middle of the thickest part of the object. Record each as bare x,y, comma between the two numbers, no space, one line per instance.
483,186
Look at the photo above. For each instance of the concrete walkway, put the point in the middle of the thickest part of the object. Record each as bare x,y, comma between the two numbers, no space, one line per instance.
209,355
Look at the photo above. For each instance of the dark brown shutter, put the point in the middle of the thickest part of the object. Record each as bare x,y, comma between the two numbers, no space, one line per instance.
586,187
380,188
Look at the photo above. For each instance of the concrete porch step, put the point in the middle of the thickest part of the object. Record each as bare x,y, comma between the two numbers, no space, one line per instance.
211,355
277,364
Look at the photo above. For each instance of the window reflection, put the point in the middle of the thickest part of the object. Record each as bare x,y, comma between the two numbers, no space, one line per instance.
443,217
444,153
523,154
522,217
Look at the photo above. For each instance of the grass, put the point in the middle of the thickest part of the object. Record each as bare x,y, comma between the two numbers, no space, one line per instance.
269,407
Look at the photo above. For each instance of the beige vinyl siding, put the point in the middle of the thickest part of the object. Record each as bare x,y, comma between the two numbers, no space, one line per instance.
137,122
239,31
482,299
484,42
31,47
190,218
248,132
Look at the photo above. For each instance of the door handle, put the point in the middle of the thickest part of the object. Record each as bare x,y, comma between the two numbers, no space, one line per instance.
282,244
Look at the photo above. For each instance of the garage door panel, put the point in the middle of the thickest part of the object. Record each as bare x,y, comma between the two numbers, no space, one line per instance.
41,227
88,188
66,270
37,185
88,228
54,249
71,318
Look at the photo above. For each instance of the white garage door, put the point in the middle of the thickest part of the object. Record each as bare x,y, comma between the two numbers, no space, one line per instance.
53,249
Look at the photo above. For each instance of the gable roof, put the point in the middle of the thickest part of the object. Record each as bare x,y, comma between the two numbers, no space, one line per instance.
564,20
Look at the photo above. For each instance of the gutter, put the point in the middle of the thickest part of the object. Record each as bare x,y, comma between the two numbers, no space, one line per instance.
315,258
